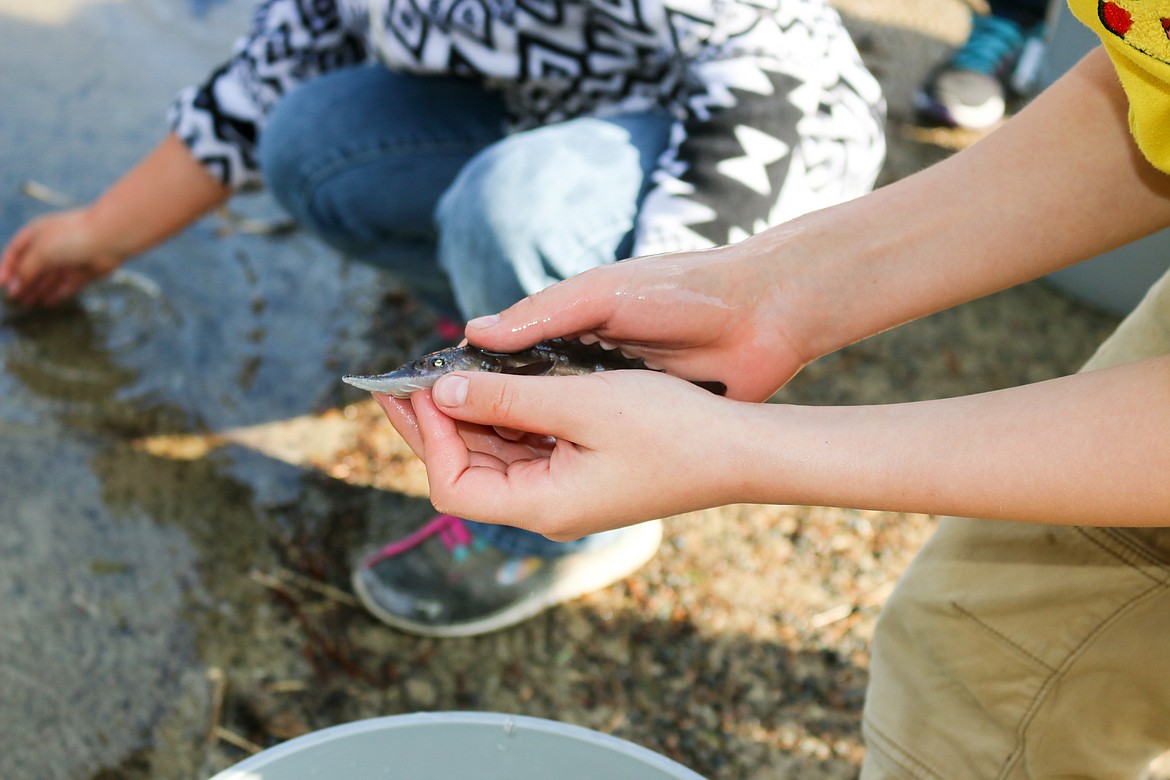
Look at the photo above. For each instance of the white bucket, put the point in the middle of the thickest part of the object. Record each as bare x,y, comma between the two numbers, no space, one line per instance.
457,746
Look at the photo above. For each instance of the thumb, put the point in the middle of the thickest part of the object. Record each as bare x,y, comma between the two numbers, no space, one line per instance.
547,406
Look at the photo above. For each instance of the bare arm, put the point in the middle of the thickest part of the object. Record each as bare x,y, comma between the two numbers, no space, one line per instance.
164,193
1060,182
1090,449
55,256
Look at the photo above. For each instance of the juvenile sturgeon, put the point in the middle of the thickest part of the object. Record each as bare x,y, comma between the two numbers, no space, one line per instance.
555,357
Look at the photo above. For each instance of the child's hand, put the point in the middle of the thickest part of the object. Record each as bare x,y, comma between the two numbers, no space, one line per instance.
712,315
52,258
604,450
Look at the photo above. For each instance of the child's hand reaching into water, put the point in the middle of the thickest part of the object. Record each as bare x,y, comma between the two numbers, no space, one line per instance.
52,258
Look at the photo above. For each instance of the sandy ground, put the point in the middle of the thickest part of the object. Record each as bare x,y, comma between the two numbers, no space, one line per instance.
740,651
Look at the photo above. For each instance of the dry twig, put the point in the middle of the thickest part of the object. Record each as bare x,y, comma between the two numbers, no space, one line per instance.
45,194
218,692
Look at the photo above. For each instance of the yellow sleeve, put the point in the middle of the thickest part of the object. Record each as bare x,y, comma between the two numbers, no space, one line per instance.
1134,33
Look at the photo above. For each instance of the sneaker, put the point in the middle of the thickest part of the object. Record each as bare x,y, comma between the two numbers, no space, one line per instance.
442,581
971,89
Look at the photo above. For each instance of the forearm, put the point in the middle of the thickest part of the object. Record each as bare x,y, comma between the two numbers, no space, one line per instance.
165,192
1090,449
1060,182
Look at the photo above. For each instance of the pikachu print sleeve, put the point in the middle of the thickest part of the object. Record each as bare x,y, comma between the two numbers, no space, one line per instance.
1136,34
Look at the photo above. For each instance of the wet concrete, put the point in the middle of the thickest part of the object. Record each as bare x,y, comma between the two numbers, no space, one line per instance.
108,555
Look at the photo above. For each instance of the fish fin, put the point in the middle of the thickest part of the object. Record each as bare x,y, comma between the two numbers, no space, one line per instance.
718,388
537,368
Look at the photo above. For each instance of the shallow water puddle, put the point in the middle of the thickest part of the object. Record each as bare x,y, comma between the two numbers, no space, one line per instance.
120,569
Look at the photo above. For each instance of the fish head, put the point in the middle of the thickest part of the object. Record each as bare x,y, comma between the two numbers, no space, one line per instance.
421,373
554,357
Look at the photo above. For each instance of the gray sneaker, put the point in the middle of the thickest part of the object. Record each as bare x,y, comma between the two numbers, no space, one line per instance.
442,581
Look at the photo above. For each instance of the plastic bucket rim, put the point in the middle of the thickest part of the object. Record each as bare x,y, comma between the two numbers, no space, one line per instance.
244,770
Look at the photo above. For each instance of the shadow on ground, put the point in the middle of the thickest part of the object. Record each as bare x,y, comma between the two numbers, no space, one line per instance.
167,614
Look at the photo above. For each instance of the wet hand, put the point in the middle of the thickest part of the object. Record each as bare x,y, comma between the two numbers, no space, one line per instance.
708,315
53,258
602,451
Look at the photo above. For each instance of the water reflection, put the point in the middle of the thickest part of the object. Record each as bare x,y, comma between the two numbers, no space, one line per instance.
77,361
123,575
244,342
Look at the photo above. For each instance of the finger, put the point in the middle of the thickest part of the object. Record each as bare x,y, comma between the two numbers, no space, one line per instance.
438,430
451,449
12,254
484,439
584,302
537,443
40,289
544,445
478,439
545,406
28,292
469,484
32,277
445,454
71,283
513,434
400,413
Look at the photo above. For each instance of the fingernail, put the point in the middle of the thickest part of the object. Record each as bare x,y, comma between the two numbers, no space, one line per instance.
483,323
450,391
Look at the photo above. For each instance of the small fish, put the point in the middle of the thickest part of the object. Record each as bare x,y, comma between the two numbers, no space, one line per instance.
555,357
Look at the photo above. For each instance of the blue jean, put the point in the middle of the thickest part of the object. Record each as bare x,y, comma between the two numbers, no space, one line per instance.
415,175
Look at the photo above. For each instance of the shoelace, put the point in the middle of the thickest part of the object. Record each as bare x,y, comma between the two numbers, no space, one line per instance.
452,531
992,47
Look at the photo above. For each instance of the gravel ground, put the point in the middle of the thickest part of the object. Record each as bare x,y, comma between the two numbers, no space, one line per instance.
741,650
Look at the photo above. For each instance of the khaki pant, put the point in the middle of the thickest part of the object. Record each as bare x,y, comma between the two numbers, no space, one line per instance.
1013,650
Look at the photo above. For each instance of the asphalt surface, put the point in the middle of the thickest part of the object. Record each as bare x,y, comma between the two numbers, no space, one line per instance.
187,482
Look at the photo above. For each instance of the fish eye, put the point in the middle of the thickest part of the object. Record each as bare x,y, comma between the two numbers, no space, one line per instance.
438,362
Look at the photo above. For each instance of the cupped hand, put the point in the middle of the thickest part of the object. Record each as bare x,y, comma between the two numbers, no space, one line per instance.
53,258
711,315
603,450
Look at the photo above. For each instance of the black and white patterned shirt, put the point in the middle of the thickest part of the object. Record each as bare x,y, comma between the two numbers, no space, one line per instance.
776,115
